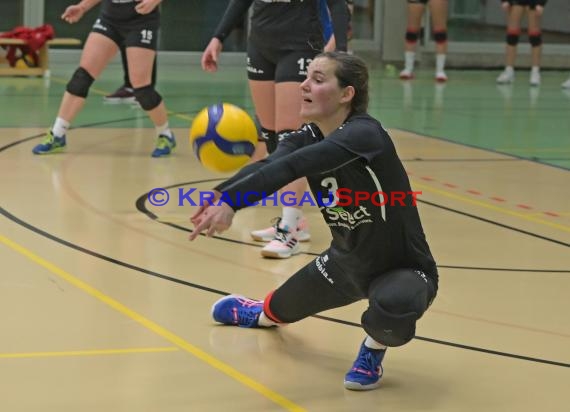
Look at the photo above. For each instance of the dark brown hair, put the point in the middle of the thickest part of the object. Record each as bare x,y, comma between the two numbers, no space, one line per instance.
351,71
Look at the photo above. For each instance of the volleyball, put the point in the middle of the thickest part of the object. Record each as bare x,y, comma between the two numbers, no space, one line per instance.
223,137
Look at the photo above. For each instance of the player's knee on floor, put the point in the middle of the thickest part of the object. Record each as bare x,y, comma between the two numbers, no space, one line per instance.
390,327
513,38
535,39
80,83
270,139
440,36
147,97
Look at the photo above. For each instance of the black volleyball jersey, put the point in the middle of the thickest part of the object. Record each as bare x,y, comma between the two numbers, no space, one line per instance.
286,24
363,190
124,10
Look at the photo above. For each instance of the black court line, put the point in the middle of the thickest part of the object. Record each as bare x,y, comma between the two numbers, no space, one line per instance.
169,278
485,149
141,200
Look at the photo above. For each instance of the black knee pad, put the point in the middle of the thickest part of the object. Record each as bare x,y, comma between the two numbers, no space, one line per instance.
440,36
388,328
147,97
412,36
535,39
80,83
270,139
512,39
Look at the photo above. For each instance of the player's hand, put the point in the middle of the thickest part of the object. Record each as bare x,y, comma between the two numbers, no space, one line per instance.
73,13
214,219
505,5
196,216
146,6
210,55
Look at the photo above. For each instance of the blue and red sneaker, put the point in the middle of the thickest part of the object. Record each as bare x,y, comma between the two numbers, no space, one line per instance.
238,311
366,370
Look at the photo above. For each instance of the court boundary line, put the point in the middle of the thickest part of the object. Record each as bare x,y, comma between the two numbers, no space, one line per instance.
210,360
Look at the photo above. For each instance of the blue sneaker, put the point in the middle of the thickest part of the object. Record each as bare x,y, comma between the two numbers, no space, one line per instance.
366,370
50,144
164,146
237,310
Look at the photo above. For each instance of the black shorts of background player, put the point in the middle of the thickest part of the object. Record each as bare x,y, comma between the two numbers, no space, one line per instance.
133,24
283,39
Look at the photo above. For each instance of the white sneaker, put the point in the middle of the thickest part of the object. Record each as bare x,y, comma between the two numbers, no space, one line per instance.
267,234
441,77
534,78
284,245
506,77
566,84
406,74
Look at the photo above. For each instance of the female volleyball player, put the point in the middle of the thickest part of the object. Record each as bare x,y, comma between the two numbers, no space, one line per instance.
515,10
378,251
133,23
438,10
284,37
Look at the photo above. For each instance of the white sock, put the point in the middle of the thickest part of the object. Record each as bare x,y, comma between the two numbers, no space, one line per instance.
290,216
164,130
60,127
535,69
372,344
409,58
439,63
509,69
265,322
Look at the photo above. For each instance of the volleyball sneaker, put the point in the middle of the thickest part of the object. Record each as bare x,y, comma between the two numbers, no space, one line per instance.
406,74
268,234
534,79
164,146
366,370
506,77
238,311
441,77
123,94
50,144
566,84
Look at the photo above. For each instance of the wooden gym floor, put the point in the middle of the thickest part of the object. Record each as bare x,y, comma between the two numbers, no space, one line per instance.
106,305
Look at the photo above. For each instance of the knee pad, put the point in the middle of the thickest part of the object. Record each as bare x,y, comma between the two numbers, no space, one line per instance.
440,36
513,38
147,97
390,329
270,139
80,83
412,36
535,39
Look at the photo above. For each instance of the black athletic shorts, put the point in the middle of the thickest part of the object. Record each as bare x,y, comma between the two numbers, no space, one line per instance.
278,65
524,3
141,32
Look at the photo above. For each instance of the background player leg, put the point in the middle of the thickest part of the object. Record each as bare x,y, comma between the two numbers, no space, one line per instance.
514,16
140,61
415,14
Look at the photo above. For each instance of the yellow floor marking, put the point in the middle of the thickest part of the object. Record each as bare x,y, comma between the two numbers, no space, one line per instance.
159,330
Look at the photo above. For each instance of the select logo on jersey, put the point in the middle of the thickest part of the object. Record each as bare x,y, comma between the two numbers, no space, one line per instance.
339,217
